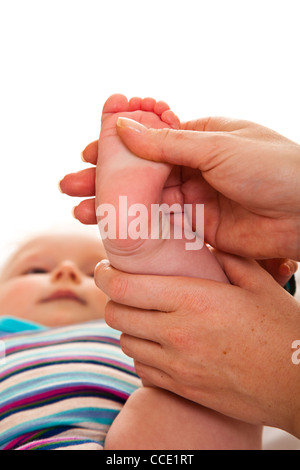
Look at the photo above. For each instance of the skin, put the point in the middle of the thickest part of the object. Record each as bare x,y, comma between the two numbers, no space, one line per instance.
245,372
180,333
119,172
249,194
51,263
234,167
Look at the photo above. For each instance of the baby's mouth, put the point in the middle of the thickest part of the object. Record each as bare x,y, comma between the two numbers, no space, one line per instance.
63,294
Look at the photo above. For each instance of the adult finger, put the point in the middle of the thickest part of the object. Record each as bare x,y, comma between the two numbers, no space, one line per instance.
180,147
152,357
90,153
159,377
242,272
146,352
80,184
150,292
138,323
281,269
215,124
85,212
156,377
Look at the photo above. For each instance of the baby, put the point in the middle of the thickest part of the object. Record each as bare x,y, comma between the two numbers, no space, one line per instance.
64,377
63,387
49,280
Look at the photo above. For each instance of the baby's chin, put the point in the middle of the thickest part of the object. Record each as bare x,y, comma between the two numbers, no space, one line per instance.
61,313
64,317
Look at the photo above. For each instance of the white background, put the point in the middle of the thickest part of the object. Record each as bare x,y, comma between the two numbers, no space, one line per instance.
61,59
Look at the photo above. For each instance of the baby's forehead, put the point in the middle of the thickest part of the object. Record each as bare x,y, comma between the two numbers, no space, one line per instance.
64,241
56,244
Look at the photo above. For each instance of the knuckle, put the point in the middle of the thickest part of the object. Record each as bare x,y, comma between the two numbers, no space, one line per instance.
139,369
170,139
178,337
184,376
178,369
219,149
196,301
117,288
110,313
174,368
183,372
221,142
124,344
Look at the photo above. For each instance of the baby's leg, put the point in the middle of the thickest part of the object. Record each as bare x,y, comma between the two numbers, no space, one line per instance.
154,419
120,173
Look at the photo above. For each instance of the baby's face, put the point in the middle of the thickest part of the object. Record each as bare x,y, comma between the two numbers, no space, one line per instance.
50,281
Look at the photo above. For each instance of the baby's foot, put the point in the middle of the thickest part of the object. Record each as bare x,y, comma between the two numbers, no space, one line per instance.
123,181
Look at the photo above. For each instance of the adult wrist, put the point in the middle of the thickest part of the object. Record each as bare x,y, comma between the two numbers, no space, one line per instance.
296,433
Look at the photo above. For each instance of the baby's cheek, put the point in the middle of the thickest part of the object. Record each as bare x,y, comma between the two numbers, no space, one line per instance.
17,296
99,300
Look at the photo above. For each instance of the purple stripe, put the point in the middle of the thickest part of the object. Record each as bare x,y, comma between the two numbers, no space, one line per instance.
41,442
57,392
15,442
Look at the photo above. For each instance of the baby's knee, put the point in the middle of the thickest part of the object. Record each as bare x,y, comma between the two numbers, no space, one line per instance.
133,425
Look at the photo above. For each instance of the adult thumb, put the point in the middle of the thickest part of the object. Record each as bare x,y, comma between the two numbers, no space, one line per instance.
194,149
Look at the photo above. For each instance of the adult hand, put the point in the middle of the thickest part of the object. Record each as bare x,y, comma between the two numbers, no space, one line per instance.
250,181
82,184
227,347
247,176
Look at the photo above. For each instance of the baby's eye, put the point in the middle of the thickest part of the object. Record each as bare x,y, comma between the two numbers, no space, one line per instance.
36,271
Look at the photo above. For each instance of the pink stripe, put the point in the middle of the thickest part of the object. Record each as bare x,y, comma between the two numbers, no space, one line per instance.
15,442
38,443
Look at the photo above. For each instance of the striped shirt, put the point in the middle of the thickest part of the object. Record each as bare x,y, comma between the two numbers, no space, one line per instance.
62,388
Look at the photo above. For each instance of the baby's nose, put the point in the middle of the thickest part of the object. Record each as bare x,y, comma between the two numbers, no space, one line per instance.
66,271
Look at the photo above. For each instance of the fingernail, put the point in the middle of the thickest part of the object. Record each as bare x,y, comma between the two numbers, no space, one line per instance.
131,124
73,212
288,268
82,157
60,187
103,263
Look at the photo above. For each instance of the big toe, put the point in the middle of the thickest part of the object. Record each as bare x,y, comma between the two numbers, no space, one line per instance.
115,104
